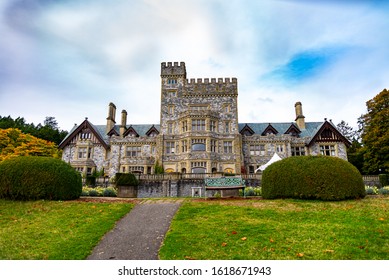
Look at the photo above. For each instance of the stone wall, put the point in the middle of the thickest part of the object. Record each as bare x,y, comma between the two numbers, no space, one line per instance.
189,187
179,188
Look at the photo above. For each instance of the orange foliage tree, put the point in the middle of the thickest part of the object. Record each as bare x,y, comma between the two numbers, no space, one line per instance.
14,143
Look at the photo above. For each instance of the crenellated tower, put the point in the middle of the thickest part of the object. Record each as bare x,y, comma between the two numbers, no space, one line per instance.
199,122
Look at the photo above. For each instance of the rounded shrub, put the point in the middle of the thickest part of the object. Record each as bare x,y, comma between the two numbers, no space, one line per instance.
126,179
312,177
32,178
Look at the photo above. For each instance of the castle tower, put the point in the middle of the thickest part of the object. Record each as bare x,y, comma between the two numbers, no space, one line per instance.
174,70
300,119
199,122
173,78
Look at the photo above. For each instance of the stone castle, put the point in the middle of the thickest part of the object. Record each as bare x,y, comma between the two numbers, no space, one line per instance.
198,132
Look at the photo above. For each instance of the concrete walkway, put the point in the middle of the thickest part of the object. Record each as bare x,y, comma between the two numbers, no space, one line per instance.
139,234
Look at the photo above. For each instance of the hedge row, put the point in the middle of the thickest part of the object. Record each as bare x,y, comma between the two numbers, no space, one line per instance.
312,177
32,178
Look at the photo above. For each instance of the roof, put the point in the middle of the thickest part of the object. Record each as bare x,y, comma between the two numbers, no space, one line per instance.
310,130
100,131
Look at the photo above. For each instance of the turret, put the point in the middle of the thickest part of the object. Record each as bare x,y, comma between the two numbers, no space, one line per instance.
175,70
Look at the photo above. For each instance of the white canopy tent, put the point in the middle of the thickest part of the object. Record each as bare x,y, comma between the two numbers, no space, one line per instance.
274,158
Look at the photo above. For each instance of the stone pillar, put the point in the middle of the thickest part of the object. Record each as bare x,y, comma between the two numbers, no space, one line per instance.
123,125
111,117
300,119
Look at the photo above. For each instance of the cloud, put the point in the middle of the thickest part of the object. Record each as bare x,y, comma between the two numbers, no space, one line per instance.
71,58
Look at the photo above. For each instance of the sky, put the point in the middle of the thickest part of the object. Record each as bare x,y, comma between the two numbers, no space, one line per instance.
70,59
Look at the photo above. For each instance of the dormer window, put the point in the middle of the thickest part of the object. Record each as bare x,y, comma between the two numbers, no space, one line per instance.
293,130
270,130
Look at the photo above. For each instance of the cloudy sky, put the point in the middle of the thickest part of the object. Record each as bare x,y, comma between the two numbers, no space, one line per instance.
69,59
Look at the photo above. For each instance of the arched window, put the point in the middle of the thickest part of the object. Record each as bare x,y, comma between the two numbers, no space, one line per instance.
228,170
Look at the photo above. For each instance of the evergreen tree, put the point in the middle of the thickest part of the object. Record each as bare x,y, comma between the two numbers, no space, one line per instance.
49,131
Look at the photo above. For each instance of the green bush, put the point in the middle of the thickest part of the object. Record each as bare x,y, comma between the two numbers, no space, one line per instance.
371,190
384,190
110,192
93,192
251,191
99,191
90,181
126,179
312,177
32,178
384,180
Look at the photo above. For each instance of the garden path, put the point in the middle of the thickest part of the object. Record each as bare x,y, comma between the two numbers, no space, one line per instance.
139,234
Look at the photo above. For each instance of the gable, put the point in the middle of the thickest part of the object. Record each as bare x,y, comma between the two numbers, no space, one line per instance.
293,130
85,131
247,131
152,132
328,133
113,132
269,130
130,132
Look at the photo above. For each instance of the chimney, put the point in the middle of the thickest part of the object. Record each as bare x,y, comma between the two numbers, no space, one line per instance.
299,115
123,125
111,117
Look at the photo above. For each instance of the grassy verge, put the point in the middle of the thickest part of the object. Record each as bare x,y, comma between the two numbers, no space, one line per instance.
280,230
54,230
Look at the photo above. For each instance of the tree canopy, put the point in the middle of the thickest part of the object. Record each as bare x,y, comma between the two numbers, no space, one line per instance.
48,131
375,136
14,143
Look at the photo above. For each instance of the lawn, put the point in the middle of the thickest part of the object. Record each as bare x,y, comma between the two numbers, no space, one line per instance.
279,230
56,230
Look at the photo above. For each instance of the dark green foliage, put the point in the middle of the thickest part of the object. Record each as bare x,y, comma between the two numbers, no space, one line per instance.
384,180
32,178
158,168
90,181
126,179
49,131
109,192
93,192
312,177
375,136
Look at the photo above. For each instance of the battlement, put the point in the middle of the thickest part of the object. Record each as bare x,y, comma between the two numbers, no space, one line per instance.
173,69
214,81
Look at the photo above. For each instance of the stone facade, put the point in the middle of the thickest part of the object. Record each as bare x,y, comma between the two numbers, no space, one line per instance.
198,132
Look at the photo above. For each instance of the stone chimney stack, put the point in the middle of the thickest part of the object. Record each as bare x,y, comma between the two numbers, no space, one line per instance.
123,125
111,116
300,119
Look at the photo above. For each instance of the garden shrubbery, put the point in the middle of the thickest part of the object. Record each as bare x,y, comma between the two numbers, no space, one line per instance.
32,178
312,177
99,191
126,179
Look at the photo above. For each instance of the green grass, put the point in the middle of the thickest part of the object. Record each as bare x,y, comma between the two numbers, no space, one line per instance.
280,230
53,229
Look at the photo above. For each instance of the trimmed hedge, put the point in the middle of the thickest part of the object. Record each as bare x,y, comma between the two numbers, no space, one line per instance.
33,178
384,180
312,177
126,179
